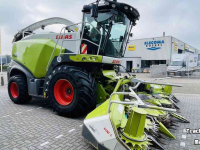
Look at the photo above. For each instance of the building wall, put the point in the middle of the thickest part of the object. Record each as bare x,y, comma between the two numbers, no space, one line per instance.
136,63
5,59
150,49
165,51
182,46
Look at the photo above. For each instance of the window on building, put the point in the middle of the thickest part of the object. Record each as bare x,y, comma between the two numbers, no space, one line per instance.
180,51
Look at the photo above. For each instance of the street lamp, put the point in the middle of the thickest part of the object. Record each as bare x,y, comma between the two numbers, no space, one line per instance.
1,75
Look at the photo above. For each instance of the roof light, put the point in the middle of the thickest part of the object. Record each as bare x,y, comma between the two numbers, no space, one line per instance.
126,7
106,3
113,5
131,9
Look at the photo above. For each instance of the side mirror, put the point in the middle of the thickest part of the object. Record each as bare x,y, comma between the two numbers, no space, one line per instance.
131,34
94,11
121,38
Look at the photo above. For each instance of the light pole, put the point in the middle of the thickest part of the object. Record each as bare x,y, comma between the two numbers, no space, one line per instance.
1,76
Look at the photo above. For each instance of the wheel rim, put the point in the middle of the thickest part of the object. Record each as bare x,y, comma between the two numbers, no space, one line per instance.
63,92
14,90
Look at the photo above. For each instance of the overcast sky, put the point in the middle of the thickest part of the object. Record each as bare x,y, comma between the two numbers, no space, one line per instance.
178,18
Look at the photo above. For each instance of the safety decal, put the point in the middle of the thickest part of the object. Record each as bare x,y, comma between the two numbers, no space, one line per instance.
83,49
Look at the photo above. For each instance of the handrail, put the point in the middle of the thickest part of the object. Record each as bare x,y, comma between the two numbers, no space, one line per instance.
82,35
53,52
135,87
137,103
65,27
133,80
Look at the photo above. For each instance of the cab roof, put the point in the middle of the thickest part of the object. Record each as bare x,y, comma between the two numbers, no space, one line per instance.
131,12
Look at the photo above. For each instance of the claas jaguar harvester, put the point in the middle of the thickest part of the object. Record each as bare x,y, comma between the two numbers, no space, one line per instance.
76,70
67,67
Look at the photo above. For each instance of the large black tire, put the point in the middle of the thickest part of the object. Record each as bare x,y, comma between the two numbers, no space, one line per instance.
18,89
77,90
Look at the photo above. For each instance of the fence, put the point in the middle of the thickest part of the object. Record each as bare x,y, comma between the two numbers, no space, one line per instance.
158,71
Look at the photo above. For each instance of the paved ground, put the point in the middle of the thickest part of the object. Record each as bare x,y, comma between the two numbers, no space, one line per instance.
190,86
36,126
190,104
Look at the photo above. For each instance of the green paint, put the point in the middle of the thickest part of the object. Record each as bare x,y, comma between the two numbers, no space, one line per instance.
86,58
99,111
168,89
148,124
118,85
136,123
101,94
179,117
111,74
34,54
165,131
117,112
156,113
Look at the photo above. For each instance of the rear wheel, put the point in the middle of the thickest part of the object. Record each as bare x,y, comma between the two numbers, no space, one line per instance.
18,89
71,90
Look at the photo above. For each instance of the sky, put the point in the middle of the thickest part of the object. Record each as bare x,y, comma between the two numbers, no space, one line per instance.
178,18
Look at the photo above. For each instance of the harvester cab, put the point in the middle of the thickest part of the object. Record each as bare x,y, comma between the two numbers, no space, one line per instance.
104,31
106,28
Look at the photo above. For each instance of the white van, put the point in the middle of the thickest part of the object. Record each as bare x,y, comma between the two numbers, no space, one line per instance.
182,64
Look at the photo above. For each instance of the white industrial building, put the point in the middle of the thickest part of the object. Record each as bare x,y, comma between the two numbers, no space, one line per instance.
5,59
142,53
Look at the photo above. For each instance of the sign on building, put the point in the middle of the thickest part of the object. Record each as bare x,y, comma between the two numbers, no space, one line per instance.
154,45
175,46
0,41
187,49
131,47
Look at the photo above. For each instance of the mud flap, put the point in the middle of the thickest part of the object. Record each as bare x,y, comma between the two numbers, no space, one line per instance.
179,117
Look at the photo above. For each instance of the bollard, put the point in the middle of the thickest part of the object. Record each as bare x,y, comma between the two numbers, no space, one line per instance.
2,81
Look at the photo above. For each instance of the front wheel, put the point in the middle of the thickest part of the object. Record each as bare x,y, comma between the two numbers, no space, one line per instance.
18,89
71,90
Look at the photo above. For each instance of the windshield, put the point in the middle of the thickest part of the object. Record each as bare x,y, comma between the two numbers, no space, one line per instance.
176,63
96,33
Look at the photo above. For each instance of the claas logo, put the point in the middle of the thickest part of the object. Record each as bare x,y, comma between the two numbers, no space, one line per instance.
116,61
131,47
64,37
